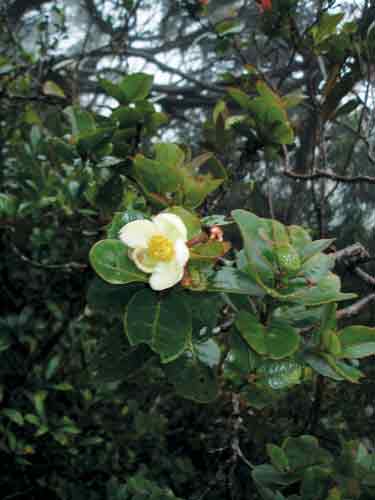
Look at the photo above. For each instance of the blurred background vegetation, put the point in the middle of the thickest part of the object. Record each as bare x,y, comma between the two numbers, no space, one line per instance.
73,425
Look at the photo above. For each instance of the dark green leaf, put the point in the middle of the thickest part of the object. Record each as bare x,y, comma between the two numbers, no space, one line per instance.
110,260
193,379
162,322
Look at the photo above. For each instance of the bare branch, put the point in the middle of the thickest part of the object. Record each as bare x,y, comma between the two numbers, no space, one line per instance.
322,174
356,308
353,254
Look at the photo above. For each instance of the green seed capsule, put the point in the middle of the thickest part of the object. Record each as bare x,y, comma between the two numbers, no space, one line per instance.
288,259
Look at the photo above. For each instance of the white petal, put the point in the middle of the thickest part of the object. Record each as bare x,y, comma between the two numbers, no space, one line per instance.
182,253
142,260
171,226
165,275
137,233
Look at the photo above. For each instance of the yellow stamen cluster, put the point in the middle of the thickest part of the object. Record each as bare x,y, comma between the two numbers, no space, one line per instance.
160,248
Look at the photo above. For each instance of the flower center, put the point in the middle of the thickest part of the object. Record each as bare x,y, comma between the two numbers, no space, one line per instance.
160,248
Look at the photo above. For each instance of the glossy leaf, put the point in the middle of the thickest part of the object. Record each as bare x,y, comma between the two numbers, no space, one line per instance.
136,86
162,322
280,374
257,238
193,379
253,332
208,352
230,280
110,260
81,121
357,342
209,251
189,218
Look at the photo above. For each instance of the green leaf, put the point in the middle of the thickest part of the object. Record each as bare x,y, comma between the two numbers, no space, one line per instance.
205,308
240,97
190,220
281,339
241,359
325,291
126,117
230,280
328,320
162,322
326,27
39,399
114,360
52,366
269,110
137,86
193,379
92,142
228,26
120,219
81,121
62,149
51,88
13,415
208,352
304,451
216,220
109,298
169,154
330,342
110,260
259,396
320,365
266,474
315,483
280,374
8,205
278,458
253,332
257,237
109,195
113,90
357,342
197,188
156,177
299,238
299,316
314,247
325,364
166,181
317,267
209,251
64,387
32,419
348,371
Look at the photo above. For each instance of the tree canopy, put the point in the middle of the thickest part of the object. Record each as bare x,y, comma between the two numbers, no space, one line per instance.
187,226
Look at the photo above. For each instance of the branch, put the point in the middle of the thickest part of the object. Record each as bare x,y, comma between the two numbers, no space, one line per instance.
20,7
350,257
69,266
355,308
322,174
148,56
353,254
367,278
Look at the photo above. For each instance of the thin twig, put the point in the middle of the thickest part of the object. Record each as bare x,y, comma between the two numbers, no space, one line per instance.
355,308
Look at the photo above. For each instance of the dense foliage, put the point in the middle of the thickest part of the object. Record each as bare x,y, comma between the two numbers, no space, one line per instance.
249,375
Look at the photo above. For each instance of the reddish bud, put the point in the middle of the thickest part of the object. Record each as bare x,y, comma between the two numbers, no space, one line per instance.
264,5
216,233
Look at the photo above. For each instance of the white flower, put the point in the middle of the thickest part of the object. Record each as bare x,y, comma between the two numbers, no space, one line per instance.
158,247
